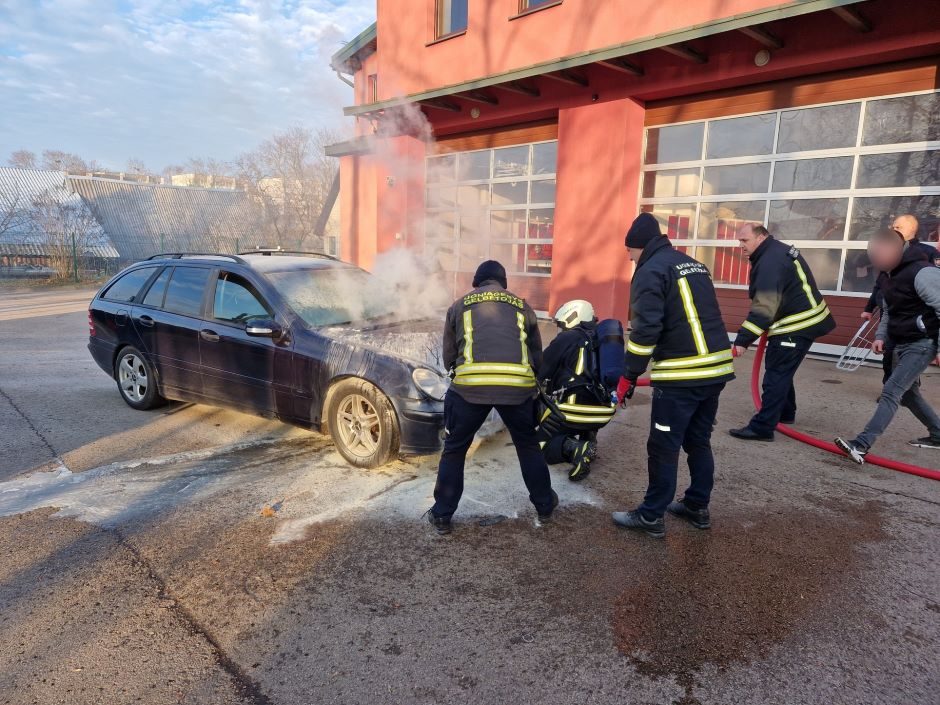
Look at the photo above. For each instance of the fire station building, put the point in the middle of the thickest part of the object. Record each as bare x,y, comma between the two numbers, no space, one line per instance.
534,131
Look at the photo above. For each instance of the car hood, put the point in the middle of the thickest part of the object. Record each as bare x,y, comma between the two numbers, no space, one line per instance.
418,342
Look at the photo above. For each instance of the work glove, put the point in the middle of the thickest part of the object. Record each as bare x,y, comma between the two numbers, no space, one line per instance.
625,390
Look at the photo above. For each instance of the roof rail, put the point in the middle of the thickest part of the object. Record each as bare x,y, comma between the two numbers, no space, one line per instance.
181,255
268,251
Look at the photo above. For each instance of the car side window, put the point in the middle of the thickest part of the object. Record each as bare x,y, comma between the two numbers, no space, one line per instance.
154,296
127,288
185,290
236,300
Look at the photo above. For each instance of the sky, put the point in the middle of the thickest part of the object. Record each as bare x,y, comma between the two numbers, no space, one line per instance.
164,80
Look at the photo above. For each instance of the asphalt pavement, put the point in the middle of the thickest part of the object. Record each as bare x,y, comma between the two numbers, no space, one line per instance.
196,555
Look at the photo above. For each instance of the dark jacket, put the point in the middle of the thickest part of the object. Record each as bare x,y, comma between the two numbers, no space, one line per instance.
676,321
492,346
933,256
911,298
784,296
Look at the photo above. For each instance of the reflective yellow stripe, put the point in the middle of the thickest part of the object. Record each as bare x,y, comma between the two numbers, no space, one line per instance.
694,361
468,336
637,349
585,419
806,287
572,398
690,313
587,409
545,415
495,368
793,318
494,381
520,321
579,368
801,325
719,371
753,328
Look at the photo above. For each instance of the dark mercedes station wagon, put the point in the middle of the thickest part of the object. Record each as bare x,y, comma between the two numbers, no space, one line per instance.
298,337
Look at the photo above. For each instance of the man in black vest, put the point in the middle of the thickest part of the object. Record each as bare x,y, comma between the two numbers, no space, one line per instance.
911,319
493,348
906,226
787,306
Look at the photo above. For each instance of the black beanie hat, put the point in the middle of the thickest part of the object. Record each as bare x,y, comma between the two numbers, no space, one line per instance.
491,269
643,229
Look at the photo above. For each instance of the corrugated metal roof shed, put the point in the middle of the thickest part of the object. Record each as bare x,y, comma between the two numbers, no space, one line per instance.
20,192
143,219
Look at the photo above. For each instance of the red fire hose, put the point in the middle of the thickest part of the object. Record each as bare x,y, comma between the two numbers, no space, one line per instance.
815,442
824,445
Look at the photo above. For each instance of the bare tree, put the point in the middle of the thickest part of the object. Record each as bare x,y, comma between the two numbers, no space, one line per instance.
288,177
14,208
57,160
68,229
23,159
206,171
137,166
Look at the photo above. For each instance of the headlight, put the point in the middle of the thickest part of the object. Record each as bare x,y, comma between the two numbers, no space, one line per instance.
431,383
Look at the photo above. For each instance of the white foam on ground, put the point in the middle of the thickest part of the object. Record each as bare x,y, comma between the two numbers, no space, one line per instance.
307,482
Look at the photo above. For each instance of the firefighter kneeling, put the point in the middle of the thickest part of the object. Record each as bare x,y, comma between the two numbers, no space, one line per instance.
577,380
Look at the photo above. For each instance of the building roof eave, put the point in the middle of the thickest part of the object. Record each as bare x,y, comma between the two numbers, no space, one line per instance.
365,40
794,8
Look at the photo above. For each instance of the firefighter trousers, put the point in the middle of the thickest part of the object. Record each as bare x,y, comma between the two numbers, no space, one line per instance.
462,419
681,418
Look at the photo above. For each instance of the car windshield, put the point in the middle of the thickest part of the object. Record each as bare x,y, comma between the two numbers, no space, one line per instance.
330,297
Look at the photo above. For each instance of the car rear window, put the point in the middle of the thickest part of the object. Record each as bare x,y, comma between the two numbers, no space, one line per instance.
154,295
184,292
128,286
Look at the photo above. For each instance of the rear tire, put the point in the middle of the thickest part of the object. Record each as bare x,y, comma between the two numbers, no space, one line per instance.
136,380
363,423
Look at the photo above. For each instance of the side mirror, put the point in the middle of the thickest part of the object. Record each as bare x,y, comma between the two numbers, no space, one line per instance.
263,328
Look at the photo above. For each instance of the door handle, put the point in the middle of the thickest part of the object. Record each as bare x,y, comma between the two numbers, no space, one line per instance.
209,335
145,321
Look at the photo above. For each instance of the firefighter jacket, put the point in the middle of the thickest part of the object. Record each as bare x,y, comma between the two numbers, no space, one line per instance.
784,297
676,321
570,374
492,346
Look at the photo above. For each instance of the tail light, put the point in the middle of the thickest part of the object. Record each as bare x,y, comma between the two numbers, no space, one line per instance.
91,324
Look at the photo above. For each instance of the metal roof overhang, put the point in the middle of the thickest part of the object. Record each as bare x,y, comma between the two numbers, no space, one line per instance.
707,29
365,39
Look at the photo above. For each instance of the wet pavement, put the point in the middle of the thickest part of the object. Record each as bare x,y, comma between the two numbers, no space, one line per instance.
193,555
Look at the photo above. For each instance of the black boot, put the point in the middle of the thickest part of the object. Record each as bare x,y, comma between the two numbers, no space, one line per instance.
699,518
442,525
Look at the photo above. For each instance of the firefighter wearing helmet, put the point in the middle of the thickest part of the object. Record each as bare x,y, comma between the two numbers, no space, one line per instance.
576,386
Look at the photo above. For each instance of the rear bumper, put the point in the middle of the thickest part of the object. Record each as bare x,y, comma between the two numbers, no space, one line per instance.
103,354
421,423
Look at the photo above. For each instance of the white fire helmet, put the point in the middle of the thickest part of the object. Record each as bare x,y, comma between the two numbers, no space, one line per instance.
573,313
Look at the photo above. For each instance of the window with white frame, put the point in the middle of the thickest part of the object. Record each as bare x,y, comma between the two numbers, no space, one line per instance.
823,178
492,204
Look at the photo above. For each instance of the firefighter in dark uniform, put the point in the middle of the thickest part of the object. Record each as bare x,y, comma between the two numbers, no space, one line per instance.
677,323
571,378
787,306
493,348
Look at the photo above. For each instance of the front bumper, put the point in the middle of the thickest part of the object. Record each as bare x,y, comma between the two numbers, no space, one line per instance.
421,423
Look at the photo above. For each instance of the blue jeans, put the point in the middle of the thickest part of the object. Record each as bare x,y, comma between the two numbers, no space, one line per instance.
903,389
463,419
681,417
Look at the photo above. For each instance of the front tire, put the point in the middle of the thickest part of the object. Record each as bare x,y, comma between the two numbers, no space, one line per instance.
363,423
136,380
